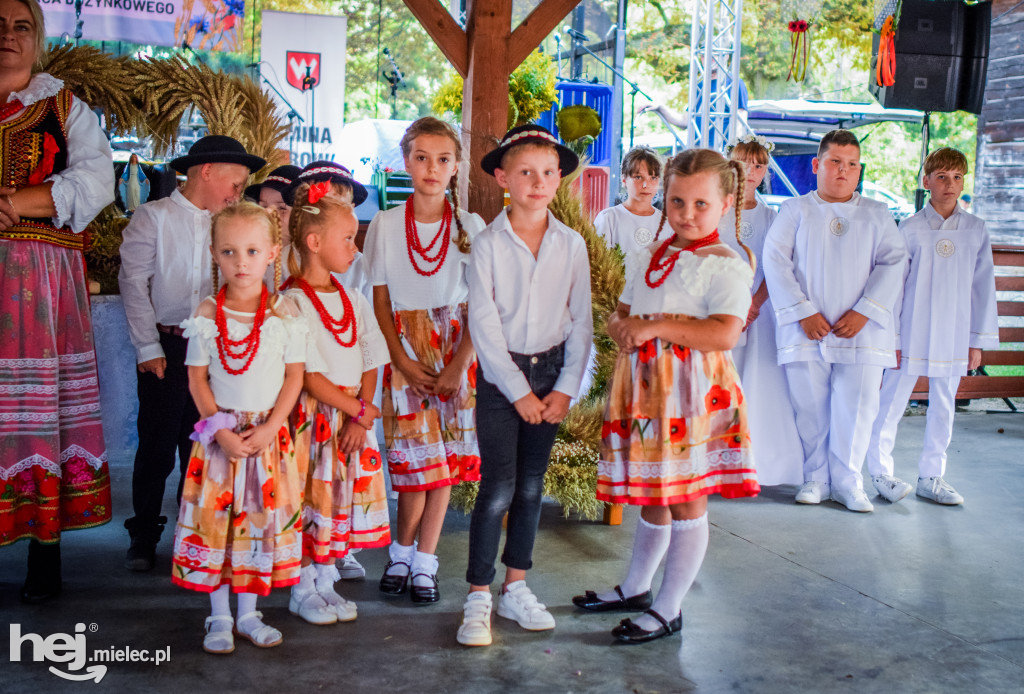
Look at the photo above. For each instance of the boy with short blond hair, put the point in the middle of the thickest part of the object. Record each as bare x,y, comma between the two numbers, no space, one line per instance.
833,261
531,321
947,316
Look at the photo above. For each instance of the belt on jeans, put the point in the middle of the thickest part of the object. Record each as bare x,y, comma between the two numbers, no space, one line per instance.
171,329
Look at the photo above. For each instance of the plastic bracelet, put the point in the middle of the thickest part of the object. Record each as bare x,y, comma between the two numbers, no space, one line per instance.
206,429
362,408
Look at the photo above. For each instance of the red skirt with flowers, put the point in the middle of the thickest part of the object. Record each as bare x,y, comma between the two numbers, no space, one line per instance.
240,519
675,428
431,441
53,461
345,504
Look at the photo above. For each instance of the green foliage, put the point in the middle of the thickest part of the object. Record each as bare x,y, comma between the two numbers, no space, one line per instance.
531,91
102,258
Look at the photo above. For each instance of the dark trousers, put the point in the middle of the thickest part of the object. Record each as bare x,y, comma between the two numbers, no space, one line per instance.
513,459
167,416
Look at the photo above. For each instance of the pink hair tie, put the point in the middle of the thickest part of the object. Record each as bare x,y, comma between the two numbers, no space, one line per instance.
206,429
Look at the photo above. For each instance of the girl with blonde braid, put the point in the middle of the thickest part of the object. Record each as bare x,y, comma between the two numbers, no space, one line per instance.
675,428
417,255
238,526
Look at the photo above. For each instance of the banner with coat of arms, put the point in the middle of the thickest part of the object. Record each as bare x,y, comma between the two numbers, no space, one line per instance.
199,24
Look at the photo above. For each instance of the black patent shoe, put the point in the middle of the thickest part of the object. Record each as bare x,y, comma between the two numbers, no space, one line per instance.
424,595
591,602
628,632
394,584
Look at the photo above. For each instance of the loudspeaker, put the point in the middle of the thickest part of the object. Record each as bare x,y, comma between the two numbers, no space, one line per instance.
977,29
923,82
973,74
931,27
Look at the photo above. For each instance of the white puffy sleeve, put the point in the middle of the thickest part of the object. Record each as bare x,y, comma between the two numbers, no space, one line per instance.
201,333
728,287
86,186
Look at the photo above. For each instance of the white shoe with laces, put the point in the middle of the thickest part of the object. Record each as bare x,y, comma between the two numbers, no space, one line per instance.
813,492
890,488
938,490
520,604
853,499
350,569
475,629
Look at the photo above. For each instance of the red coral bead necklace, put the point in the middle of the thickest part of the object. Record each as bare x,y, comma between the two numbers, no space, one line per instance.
248,346
335,327
422,256
665,265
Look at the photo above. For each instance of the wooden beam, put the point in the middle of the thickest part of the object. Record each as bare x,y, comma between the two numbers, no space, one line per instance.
532,30
445,31
485,97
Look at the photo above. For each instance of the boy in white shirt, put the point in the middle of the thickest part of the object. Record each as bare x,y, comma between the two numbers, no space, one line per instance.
631,226
948,316
833,261
165,274
531,322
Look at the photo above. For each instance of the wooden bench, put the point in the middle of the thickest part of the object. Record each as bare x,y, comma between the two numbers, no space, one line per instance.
1009,261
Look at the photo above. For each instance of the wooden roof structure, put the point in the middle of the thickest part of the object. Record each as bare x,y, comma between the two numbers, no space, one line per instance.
485,54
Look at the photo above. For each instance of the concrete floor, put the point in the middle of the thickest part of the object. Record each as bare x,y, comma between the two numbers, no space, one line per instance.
911,598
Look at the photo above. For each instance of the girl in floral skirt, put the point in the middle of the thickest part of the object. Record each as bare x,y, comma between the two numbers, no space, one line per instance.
239,522
417,256
345,505
675,427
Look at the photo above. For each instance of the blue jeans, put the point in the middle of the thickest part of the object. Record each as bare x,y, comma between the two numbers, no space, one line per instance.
513,459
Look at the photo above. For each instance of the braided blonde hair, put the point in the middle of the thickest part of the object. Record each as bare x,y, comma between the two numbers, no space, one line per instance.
428,125
250,211
731,174
309,217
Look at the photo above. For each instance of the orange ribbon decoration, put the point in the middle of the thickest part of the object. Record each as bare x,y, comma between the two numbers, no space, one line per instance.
885,68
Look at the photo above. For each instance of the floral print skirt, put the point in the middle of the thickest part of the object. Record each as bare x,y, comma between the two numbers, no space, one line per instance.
345,504
675,428
431,441
53,461
240,519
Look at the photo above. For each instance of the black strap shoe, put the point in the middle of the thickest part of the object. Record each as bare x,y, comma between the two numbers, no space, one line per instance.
591,602
629,632
424,595
394,584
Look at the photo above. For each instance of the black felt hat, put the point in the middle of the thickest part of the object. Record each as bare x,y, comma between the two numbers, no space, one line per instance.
325,171
521,134
217,149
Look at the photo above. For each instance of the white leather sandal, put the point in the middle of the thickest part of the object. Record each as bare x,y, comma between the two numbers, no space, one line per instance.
219,642
262,636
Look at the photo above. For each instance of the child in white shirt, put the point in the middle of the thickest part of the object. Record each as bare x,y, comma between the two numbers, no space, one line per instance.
632,225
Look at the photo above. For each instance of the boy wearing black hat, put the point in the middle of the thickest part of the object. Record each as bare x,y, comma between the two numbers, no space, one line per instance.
165,273
530,317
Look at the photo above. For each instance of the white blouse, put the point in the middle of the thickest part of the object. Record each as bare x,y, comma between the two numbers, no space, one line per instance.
283,340
698,286
86,186
630,232
387,261
342,366
754,224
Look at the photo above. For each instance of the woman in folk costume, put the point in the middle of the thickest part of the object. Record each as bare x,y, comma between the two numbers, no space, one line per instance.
57,175
134,187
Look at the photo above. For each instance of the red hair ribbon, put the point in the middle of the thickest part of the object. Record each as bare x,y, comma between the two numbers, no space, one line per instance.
318,190
798,60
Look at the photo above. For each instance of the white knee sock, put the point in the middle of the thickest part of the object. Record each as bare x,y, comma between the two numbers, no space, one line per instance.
649,545
401,554
424,563
682,563
220,606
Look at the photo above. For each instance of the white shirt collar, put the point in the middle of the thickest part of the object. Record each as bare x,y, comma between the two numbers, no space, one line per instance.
934,217
180,199
41,86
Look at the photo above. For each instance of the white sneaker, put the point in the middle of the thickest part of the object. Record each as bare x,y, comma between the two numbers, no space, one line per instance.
938,490
350,568
475,629
520,604
813,492
854,499
890,488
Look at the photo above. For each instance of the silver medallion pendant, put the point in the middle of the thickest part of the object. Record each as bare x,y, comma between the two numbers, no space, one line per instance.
945,248
643,236
839,226
746,231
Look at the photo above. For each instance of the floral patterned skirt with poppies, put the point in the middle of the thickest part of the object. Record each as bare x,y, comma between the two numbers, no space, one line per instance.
240,519
675,428
345,505
53,461
431,441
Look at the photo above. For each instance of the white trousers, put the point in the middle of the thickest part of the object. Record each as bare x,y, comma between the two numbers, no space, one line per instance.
897,387
835,405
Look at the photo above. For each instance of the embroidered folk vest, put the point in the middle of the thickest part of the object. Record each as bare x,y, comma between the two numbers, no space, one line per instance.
33,145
